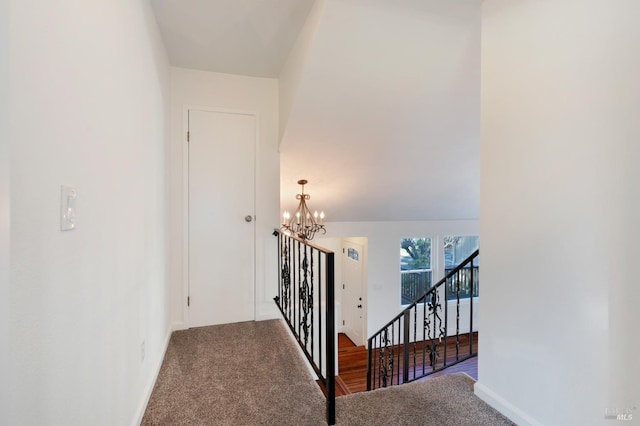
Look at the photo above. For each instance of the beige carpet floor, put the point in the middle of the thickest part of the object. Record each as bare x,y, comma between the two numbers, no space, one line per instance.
445,400
251,374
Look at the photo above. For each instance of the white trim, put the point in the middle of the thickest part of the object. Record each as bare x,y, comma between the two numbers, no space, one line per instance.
176,326
256,145
360,248
271,314
185,216
185,201
503,406
148,389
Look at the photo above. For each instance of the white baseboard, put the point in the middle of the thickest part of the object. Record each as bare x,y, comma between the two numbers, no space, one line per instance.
152,381
268,311
178,326
503,406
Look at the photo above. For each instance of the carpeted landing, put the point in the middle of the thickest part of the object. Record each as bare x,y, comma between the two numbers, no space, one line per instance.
252,374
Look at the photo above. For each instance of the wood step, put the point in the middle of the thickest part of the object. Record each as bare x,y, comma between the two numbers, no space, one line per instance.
341,388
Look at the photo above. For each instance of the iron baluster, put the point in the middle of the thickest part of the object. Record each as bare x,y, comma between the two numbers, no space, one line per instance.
386,361
471,310
311,304
304,298
434,306
446,323
286,278
320,306
405,345
294,284
396,348
424,335
415,338
369,351
458,314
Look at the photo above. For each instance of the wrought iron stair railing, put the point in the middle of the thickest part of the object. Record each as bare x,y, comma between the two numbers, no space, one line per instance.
419,341
306,299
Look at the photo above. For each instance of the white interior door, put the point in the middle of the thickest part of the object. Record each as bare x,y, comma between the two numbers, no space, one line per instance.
221,217
352,303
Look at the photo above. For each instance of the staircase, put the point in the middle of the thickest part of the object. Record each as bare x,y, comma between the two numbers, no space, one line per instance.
352,366
433,333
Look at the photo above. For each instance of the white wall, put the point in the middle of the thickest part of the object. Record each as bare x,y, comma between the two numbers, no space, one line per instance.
89,107
560,135
191,87
335,245
4,200
382,298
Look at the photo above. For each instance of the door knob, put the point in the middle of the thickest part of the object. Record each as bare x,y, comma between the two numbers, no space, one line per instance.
248,218
359,306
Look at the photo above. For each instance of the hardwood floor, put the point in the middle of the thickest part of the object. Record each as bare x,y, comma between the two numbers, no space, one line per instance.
352,365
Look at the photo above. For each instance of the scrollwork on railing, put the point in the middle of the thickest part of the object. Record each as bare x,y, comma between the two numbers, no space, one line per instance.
386,359
285,274
433,326
306,298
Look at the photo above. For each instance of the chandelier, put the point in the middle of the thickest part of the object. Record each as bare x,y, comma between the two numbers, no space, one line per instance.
302,223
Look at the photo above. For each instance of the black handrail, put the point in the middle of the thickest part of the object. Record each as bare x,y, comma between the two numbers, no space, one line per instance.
306,269
402,354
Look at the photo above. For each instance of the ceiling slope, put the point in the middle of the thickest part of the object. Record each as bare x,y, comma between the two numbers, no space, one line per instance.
246,37
385,121
293,69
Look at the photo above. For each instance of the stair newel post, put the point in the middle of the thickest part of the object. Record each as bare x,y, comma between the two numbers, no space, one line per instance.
405,360
331,342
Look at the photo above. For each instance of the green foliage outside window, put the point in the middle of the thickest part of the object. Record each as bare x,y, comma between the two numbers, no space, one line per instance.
415,253
415,268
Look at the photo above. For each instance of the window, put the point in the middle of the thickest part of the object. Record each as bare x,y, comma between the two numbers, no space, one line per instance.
353,254
415,268
456,250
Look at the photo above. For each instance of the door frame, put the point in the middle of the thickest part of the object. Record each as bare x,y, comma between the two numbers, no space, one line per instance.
185,201
363,283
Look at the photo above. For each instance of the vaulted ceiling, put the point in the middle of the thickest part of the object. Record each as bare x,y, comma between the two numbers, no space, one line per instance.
380,99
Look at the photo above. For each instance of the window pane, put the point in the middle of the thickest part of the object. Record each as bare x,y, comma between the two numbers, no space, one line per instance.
456,250
414,284
415,268
415,253
353,254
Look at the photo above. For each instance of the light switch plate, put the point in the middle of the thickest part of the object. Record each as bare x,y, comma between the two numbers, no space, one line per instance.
68,197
